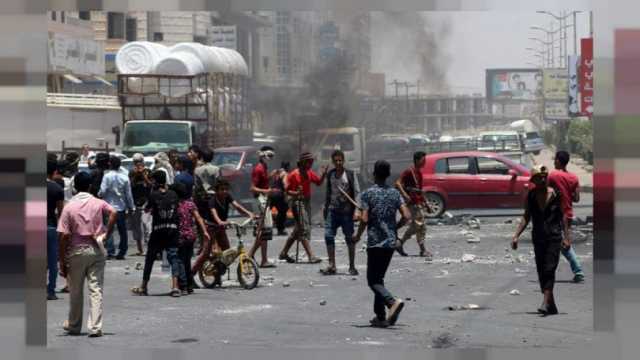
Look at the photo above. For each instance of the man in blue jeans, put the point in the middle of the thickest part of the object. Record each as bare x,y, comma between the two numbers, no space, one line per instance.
342,189
116,191
569,187
55,201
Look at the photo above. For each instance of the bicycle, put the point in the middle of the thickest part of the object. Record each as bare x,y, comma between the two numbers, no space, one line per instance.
217,264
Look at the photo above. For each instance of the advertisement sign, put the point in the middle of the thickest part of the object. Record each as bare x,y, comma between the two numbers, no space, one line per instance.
513,84
556,110
74,55
224,36
574,104
585,77
555,84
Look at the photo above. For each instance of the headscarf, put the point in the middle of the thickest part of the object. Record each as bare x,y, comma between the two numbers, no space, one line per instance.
162,163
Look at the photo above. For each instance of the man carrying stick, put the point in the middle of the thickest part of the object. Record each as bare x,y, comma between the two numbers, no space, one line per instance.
339,211
261,190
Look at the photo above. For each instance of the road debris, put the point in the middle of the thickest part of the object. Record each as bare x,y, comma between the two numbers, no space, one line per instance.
138,266
514,292
468,258
286,284
464,307
323,302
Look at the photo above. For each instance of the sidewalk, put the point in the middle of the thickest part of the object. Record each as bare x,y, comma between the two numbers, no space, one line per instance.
577,165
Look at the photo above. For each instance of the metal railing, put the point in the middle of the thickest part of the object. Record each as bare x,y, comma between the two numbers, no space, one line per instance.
83,101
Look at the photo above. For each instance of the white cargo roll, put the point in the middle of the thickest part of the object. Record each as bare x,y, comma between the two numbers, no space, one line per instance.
221,64
208,58
139,57
227,59
240,64
178,63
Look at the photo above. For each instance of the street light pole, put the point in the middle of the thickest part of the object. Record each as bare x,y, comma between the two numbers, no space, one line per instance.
575,35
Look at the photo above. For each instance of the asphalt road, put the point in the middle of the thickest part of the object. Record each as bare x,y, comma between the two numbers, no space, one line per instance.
273,316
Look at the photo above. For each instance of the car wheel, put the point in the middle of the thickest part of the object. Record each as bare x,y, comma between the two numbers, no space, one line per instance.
436,203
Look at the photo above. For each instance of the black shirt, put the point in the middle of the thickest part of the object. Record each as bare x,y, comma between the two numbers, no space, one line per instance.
164,209
139,189
547,223
55,193
221,206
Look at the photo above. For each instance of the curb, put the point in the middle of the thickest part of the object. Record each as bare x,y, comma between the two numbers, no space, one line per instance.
586,189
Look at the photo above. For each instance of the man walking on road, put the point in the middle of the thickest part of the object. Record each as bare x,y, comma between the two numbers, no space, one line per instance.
205,176
55,200
261,190
299,189
140,180
410,186
380,204
116,190
339,211
568,185
82,253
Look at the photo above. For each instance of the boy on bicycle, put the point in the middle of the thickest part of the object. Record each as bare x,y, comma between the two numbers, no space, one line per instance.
219,205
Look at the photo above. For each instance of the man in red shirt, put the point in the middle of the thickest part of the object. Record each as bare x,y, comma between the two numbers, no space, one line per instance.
298,187
568,184
410,186
261,190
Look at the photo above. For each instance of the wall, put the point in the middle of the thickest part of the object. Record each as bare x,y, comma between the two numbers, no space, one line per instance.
78,127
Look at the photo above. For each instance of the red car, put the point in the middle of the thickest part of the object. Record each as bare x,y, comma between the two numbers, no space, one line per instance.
473,179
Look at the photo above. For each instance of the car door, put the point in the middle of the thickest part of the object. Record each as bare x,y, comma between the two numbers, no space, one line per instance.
496,187
455,176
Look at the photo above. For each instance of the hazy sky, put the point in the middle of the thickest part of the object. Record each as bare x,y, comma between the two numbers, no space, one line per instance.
476,41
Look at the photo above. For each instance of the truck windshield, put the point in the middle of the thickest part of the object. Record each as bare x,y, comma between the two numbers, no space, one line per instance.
154,137
342,141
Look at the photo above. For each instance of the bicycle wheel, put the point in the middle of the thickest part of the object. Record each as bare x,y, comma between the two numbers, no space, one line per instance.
249,276
209,273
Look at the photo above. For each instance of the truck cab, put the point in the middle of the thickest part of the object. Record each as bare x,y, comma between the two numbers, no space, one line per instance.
152,136
350,140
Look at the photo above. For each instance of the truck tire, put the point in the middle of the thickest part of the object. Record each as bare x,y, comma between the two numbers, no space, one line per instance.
436,203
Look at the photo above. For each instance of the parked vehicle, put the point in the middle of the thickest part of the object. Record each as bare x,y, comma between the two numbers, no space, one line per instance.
473,179
533,143
500,140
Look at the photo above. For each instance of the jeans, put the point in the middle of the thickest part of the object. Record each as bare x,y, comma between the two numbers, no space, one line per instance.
337,219
123,245
152,252
378,260
571,257
52,258
185,253
86,263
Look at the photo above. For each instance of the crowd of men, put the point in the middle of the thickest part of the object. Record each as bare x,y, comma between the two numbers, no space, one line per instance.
183,202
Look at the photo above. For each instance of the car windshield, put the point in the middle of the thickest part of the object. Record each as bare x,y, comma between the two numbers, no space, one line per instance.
155,137
533,135
506,138
227,158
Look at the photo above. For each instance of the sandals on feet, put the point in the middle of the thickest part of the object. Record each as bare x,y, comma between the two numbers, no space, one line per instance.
315,260
175,293
140,291
268,265
328,271
287,258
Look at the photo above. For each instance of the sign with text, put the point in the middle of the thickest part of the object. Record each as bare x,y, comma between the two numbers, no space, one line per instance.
556,110
224,36
555,84
574,104
586,77
74,55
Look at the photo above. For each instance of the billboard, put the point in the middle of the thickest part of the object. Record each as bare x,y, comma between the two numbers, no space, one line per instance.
585,77
555,84
574,104
513,84
224,36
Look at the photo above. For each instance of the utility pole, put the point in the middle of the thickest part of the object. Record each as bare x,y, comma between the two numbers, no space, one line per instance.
575,35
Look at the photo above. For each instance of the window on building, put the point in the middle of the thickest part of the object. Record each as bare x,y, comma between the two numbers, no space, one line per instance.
115,25
158,36
53,16
62,18
132,29
84,15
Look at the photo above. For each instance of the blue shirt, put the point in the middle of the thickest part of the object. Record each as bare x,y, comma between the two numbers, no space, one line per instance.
115,189
382,203
187,179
